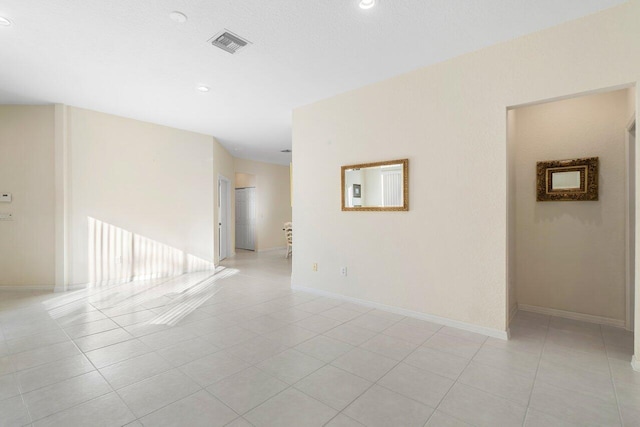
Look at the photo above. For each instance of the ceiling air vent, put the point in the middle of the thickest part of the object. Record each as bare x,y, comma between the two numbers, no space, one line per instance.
228,41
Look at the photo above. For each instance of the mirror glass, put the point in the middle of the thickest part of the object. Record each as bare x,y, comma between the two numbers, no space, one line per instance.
565,180
375,186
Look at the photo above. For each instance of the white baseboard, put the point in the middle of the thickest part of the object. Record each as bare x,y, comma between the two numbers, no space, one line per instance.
28,288
495,333
51,288
70,288
574,316
635,363
279,248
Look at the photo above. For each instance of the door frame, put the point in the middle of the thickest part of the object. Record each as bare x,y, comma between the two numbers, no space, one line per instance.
254,225
631,280
631,226
223,179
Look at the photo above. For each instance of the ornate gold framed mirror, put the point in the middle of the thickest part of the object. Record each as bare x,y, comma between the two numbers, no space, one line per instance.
567,180
379,186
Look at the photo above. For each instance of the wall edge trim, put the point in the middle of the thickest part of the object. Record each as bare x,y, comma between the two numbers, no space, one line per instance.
513,312
495,333
572,315
277,248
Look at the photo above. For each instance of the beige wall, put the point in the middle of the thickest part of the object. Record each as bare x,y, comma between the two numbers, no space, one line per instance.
152,180
223,165
273,207
571,255
158,182
27,243
447,256
631,100
244,180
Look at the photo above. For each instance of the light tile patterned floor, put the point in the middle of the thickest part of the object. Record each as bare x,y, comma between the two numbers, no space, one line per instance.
242,349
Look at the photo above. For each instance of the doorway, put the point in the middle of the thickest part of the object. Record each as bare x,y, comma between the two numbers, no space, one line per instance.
224,215
631,224
573,258
246,218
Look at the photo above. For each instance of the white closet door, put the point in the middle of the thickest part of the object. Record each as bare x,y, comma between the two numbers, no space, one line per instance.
223,225
392,188
245,218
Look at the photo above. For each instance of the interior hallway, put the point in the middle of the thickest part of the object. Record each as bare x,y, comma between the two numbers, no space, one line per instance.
240,348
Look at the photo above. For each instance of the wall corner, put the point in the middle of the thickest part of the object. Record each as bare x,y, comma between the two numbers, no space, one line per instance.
61,168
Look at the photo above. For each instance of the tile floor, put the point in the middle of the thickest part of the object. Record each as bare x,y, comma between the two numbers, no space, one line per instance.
240,349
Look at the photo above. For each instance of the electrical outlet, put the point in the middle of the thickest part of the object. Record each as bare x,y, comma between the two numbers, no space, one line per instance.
315,266
343,271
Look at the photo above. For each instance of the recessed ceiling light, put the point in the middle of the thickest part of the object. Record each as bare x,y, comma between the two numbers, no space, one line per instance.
367,4
5,22
178,17
203,88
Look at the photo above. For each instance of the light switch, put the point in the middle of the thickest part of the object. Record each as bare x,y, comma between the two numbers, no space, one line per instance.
6,216
5,197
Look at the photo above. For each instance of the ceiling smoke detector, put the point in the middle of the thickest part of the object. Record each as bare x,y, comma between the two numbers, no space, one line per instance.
178,17
285,151
228,41
367,4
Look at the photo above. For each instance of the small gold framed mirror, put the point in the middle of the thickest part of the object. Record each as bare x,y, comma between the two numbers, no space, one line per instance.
567,180
379,186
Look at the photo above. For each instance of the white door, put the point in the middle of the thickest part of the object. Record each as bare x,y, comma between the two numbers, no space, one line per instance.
245,218
223,223
392,188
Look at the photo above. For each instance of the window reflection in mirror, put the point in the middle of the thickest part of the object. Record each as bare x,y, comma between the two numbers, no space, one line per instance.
565,180
376,186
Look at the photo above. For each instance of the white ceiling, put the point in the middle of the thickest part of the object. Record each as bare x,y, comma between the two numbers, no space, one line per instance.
126,57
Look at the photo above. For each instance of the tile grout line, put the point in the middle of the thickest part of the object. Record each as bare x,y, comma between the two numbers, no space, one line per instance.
456,382
567,389
289,386
155,351
324,364
613,383
24,402
92,364
15,372
109,384
288,347
96,370
185,397
66,379
535,377
173,368
373,383
220,350
376,332
579,369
